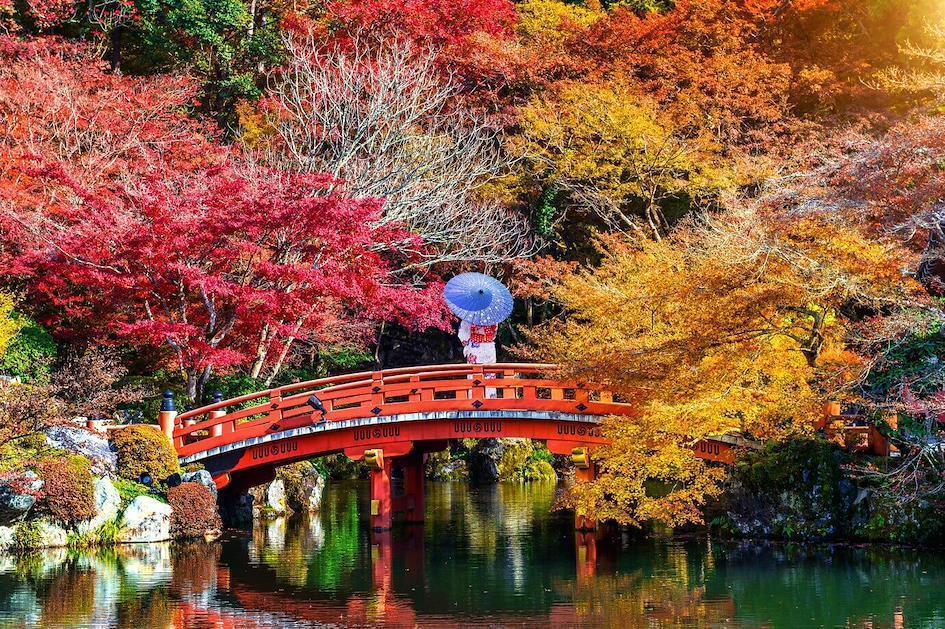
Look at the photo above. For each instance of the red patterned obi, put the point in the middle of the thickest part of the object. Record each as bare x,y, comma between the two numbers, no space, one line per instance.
482,333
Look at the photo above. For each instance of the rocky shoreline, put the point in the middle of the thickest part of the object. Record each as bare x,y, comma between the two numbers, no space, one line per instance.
121,511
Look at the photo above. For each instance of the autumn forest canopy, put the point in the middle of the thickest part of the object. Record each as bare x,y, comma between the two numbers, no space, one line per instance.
730,210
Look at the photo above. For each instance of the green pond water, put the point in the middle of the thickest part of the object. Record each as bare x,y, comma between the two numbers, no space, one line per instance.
491,556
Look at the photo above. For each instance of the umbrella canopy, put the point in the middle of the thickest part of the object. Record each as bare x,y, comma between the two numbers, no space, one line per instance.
478,299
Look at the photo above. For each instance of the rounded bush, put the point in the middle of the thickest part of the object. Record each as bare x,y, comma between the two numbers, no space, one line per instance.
69,489
144,450
194,510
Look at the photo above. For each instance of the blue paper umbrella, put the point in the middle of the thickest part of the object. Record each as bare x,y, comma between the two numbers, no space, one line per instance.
478,298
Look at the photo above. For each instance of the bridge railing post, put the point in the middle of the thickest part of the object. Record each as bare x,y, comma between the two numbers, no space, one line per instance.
377,389
167,418
478,389
581,396
275,407
217,430
416,394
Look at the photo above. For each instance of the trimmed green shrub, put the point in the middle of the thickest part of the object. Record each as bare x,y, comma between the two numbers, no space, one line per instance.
194,510
69,489
143,449
30,354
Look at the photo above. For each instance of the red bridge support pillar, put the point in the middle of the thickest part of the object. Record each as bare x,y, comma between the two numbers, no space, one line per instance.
414,486
586,547
381,507
584,472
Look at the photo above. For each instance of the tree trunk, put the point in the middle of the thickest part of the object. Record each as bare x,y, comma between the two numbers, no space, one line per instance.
262,350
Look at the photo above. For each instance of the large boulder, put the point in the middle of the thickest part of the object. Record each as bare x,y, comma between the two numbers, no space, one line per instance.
51,535
276,497
6,537
146,520
203,477
484,461
87,443
17,497
303,487
107,506
270,500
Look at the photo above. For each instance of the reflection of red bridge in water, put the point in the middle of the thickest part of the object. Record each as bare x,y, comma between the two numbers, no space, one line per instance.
391,418
244,602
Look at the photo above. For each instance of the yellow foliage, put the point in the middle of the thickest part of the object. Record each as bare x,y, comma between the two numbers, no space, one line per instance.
10,326
732,324
614,151
255,129
542,20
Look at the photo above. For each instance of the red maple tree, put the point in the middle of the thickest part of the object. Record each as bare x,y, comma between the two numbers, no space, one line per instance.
218,268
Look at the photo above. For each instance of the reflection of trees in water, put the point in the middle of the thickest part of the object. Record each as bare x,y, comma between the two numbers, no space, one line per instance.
637,601
124,586
664,587
490,555
485,515
69,596
316,551
834,585
195,569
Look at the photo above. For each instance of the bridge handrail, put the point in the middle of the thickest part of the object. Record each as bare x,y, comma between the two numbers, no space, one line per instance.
402,390
355,378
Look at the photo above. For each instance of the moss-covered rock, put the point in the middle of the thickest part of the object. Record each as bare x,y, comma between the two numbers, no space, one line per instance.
791,490
303,486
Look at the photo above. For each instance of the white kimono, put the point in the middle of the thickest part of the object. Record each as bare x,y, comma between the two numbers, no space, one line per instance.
478,343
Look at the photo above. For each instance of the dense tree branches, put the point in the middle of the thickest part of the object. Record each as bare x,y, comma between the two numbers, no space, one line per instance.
382,120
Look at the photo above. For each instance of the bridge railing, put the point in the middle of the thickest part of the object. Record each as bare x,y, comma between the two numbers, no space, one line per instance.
504,386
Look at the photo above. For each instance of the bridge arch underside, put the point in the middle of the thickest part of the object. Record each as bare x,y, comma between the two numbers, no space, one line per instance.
241,465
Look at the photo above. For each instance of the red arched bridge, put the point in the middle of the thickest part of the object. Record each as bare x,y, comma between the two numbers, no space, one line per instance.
391,418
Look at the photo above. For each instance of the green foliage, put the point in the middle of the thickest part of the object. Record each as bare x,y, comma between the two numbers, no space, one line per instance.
919,359
642,6
329,361
894,521
143,449
31,353
783,466
447,466
797,487
105,535
232,386
523,461
26,453
545,212
129,490
69,489
339,467
27,536
215,38
194,510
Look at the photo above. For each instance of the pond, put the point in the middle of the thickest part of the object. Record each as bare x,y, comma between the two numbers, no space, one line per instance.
487,556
